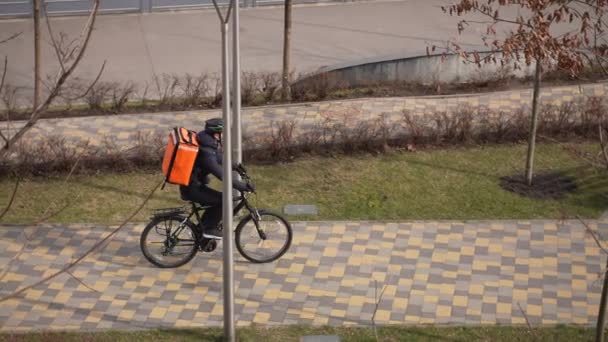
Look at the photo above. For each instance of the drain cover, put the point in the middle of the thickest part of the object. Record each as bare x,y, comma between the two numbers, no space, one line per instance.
300,209
320,338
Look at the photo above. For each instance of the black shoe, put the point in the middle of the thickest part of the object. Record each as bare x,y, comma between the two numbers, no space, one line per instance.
212,233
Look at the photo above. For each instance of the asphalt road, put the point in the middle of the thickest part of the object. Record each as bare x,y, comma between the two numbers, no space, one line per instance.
136,47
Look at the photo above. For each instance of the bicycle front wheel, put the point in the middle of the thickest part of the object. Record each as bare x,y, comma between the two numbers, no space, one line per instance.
169,241
265,241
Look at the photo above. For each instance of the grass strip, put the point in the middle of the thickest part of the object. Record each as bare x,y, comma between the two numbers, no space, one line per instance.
294,333
458,183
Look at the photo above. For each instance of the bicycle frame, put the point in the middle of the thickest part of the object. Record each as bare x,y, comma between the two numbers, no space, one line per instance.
243,203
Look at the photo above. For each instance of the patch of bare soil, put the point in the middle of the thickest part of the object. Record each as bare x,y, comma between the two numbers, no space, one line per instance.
548,185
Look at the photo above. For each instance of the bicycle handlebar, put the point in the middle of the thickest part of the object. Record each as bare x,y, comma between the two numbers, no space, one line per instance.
240,169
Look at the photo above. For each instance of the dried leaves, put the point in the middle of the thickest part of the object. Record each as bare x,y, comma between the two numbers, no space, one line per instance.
532,35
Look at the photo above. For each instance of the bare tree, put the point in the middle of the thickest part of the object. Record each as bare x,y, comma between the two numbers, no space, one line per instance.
601,244
603,132
600,165
286,51
11,200
9,38
5,67
530,37
37,52
601,319
533,123
3,78
69,57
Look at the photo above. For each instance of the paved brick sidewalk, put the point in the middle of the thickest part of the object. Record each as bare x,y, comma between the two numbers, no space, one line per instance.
125,130
434,272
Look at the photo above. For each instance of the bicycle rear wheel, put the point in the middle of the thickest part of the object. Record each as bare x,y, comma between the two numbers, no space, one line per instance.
169,241
267,241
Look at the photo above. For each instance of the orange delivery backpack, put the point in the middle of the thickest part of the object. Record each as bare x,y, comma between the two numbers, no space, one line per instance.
180,155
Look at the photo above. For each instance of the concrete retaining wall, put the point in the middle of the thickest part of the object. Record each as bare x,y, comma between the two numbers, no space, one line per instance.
420,69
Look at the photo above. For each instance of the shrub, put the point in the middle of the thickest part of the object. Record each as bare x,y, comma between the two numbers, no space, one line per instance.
121,95
195,89
270,83
249,87
321,84
335,132
417,127
592,114
10,97
556,120
98,94
57,155
167,86
216,100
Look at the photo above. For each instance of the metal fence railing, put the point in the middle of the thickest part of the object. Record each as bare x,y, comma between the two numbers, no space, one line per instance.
23,8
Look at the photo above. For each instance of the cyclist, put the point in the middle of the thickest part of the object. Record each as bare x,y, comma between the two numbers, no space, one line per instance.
208,161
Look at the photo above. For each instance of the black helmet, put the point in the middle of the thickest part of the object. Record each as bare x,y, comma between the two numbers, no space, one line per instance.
215,125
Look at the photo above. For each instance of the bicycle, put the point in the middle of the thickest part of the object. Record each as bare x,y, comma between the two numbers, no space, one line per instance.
172,239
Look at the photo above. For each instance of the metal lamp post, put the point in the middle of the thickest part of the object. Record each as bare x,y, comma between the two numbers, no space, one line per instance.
237,152
229,331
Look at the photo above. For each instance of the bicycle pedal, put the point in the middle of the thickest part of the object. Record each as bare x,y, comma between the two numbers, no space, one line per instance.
209,246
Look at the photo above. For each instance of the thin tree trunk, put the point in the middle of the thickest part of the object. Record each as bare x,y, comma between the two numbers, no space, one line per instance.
601,316
286,52
533,124
37,71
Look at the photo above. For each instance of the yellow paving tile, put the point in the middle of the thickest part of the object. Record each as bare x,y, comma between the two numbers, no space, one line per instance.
476,289
175,308
443,311
295,268
356,301
158,313
126,314
261,317
461,301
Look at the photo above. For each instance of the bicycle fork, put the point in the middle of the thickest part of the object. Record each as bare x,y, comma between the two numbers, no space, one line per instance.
256,220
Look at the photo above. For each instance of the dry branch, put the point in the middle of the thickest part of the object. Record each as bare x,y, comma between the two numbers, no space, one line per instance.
377,300
53,41
10,38
46,216
95,80
81,282
572,150
3,74
64,75
532,332
28,238
596,236
87,253
16,257
10,202
67,204
531,35
603,145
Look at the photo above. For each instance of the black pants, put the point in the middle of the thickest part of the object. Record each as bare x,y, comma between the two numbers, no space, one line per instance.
206,197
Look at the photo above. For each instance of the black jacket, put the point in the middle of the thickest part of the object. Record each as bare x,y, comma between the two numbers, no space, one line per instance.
209,161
